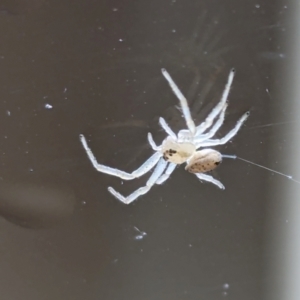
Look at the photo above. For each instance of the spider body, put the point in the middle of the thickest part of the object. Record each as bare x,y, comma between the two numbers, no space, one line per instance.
197,161
180,148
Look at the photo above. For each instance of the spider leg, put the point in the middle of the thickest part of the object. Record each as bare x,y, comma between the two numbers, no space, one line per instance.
218,108
227,137
167,128
214,129
152,143
159,169
170,169
209,178
143,169
184,135
183,102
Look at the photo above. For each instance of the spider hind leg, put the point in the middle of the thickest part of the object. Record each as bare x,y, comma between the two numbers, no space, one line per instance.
209,178
143,169
157,173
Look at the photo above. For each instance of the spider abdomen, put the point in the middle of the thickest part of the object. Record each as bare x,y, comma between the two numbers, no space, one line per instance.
204,161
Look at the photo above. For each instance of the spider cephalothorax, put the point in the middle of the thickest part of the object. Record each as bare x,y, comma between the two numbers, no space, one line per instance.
180,148
175,152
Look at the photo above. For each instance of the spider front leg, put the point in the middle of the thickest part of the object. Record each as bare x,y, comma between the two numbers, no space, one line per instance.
214,113
184,135
209,178
159,169
143,169
227,137
212,131
183,102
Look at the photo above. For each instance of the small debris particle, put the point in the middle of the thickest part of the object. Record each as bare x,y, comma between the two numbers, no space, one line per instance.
48,106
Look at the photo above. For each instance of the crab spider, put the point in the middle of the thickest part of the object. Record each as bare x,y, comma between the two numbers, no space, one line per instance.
179,148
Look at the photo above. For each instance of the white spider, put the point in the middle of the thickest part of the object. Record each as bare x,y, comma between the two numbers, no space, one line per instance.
180,148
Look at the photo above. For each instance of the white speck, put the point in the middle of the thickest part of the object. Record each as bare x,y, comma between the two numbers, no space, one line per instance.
30,170
257,5
8,113
120,40
224,293
173,30
115,9
226,286
48,106
83,202
141,235
65,89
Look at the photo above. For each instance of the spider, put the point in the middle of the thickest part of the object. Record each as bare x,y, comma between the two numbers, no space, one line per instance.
178,149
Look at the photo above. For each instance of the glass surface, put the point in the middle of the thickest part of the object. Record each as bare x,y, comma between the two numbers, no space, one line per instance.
94,68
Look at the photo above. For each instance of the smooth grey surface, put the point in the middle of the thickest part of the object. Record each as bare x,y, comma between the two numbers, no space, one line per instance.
93,67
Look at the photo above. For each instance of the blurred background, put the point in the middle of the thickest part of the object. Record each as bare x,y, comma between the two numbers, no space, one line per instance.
93,67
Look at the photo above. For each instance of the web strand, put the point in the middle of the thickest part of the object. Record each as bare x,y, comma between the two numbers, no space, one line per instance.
263,167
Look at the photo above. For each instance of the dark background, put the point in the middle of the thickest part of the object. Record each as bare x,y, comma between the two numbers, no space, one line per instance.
93,67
